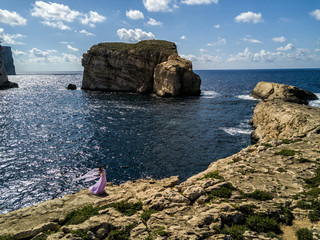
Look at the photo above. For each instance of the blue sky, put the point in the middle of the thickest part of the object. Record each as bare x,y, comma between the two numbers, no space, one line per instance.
213,34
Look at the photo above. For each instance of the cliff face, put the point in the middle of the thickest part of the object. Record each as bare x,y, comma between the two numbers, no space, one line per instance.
122,67
266,190
8,60
4,82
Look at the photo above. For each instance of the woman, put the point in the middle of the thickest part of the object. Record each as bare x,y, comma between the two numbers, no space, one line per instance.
98,188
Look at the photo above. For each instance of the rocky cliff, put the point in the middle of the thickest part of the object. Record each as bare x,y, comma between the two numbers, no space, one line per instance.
121,67
266,191
8,60
4,82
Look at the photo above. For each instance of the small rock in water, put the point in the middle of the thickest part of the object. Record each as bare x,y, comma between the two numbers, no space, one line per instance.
72,86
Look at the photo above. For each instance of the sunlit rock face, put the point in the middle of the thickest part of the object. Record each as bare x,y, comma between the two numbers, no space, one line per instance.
123,67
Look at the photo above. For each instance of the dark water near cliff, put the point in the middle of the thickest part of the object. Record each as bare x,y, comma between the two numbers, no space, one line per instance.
49,135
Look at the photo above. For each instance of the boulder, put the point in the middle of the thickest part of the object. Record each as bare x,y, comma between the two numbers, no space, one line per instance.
175,78
123,67
287,93
72,86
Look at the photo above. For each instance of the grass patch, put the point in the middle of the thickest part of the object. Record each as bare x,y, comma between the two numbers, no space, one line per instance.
83,234
286,152
314,181
161,232
314,206
224,191
80,215
258,195
121,234
125,208
267,145
288,141
281,170
260,223
145,216
7,237
303,160
304,234
235,231
213,175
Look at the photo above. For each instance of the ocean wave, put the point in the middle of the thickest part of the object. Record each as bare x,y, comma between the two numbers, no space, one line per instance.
236,131
315,103
247,97
209,94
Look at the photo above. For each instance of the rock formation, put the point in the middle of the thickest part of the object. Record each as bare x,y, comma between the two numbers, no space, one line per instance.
4,82
122,67
175,77
8,60
266,191
270,90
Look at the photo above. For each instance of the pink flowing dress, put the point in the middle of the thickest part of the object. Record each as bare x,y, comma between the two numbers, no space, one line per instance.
98,187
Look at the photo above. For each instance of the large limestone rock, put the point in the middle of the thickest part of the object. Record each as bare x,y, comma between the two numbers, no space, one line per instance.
287,93
122,67
175,77
276,119
8,60
4,82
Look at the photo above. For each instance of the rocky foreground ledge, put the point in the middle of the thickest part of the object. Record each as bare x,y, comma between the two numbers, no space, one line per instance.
269,190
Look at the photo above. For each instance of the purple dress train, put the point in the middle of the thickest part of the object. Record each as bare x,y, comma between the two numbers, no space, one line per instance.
98,188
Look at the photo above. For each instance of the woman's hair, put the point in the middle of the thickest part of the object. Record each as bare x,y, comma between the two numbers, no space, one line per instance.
100,168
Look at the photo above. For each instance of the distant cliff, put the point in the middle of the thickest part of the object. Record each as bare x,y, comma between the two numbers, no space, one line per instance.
8,60
4,82
150,66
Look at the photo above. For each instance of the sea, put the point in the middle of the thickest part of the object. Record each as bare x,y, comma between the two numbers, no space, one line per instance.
50,136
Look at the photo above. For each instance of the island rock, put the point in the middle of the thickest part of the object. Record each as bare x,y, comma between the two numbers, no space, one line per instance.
122,67
8,60
4,82
271,90
175,77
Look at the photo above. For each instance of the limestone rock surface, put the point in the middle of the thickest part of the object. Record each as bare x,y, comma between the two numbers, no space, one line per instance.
276,119
287,93
175,77
122,67
4,82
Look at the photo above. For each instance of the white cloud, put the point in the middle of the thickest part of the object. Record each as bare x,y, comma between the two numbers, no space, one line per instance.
11,18
317,50
221,41
18,53
249,17
316,14
153,22
203,50
86,33
57,15
247,56
217,26
134,14
279,39
10,38
38,53
72,48
134,35
204,58
92,18
251,40
183,37
198,2
288,47
70,58
158,5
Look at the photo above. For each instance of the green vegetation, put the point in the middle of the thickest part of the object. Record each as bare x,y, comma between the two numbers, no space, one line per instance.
145,216
313,182
304,234
258,195
261,223
83,234
281,170
235,231
224,191
8,237
121,234
288,141
213,175
80,215
313,205
303,160
41,237
267,145
161,232
126,208
286,152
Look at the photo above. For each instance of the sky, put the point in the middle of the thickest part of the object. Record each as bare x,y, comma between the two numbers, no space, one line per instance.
213,34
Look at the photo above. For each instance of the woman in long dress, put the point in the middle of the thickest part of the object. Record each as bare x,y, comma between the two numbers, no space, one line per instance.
98,187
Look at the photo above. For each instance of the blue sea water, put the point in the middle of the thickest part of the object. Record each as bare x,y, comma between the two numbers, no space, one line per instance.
49,135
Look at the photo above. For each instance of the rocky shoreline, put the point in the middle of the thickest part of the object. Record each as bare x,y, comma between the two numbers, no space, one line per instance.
268,190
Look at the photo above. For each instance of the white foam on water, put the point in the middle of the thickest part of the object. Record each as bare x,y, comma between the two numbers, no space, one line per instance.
209,94
236,131
315,103
247,97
